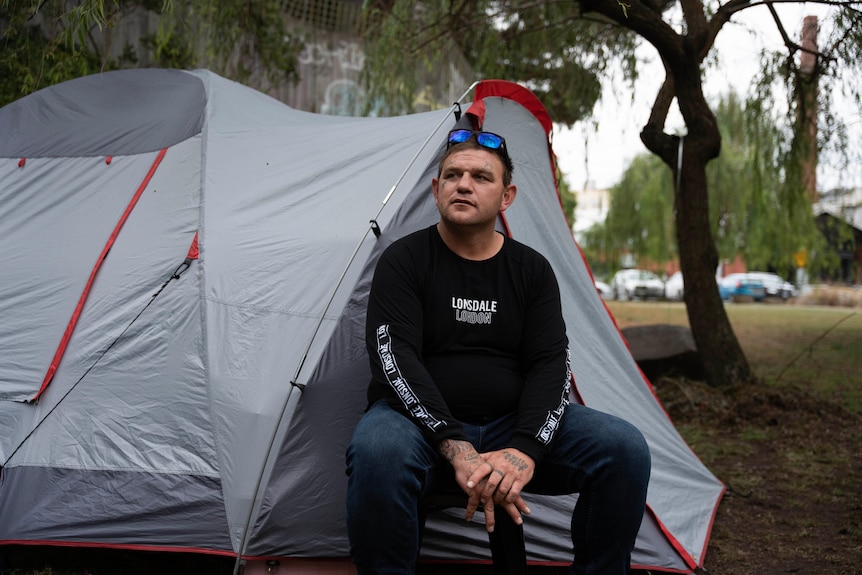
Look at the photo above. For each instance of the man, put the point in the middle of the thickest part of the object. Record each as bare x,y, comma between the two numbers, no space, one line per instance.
470,385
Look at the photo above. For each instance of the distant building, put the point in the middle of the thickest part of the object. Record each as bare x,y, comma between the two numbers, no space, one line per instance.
592,209
843,203
839,216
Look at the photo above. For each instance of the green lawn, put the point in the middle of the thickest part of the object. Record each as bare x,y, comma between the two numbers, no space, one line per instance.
817,348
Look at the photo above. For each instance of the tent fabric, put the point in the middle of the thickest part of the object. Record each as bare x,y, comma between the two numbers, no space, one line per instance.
70,327
97,116
217,366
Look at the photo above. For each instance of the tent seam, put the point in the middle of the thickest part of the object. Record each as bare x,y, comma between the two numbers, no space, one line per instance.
189,473
206,80
292,313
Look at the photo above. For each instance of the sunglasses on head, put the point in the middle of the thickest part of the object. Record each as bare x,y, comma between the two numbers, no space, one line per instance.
488,140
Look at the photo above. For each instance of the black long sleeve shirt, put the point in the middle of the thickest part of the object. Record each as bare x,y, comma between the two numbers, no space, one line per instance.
454,340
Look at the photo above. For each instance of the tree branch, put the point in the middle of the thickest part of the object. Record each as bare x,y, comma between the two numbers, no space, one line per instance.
640,19
788,43
695,19
652,135
737,5
661,106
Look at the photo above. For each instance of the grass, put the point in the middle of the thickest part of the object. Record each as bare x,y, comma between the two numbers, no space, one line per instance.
815,347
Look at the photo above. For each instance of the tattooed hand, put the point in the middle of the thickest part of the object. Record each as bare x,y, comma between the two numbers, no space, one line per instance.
513,469
466,462
490,478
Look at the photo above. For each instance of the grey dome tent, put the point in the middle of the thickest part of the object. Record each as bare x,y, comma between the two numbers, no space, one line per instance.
184,263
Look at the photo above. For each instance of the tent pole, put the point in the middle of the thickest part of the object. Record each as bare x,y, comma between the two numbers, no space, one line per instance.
292,400
455,106
292,397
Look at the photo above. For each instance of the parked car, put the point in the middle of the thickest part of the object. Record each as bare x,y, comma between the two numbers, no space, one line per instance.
735,286
775,285
673,287
604,290
632,283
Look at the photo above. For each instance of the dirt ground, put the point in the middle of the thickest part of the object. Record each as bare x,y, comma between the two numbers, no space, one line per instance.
793,471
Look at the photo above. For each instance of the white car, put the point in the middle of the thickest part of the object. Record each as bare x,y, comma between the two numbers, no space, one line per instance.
674,287
643,284
604,290
775,285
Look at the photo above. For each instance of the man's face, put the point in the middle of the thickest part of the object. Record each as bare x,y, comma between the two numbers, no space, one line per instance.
470,190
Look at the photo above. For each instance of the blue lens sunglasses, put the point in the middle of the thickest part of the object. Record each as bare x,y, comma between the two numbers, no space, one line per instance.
488,140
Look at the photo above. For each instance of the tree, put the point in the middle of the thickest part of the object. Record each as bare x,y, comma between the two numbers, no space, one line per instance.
564,49
640,216
751,212
49,41
30,59
568,200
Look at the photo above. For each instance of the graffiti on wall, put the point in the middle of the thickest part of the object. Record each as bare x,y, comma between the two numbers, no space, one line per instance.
330,71
345,57
333,68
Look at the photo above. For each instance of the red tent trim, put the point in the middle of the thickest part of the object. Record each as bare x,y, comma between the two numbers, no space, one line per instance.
516,92
194,251
67,335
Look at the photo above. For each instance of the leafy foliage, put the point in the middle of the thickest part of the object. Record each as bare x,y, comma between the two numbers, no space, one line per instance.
48,41
245,38
756,210
640,216
30,59
545,46
568,200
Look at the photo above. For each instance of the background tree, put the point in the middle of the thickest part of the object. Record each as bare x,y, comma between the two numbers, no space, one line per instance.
33,56
48,41
751,212
568,200
564,49
640,216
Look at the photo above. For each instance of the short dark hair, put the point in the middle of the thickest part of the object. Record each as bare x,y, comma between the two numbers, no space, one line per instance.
473,144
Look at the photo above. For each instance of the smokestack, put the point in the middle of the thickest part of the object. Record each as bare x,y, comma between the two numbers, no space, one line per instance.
807,112
808,59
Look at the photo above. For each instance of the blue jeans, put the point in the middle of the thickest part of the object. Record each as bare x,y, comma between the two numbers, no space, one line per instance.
390,468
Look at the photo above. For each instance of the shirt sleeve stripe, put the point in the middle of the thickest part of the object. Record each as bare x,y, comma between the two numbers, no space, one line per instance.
399,383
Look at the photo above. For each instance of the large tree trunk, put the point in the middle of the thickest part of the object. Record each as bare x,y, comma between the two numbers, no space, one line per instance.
724,361
723,358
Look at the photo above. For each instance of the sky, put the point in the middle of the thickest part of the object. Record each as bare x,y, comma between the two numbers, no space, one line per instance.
595,153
